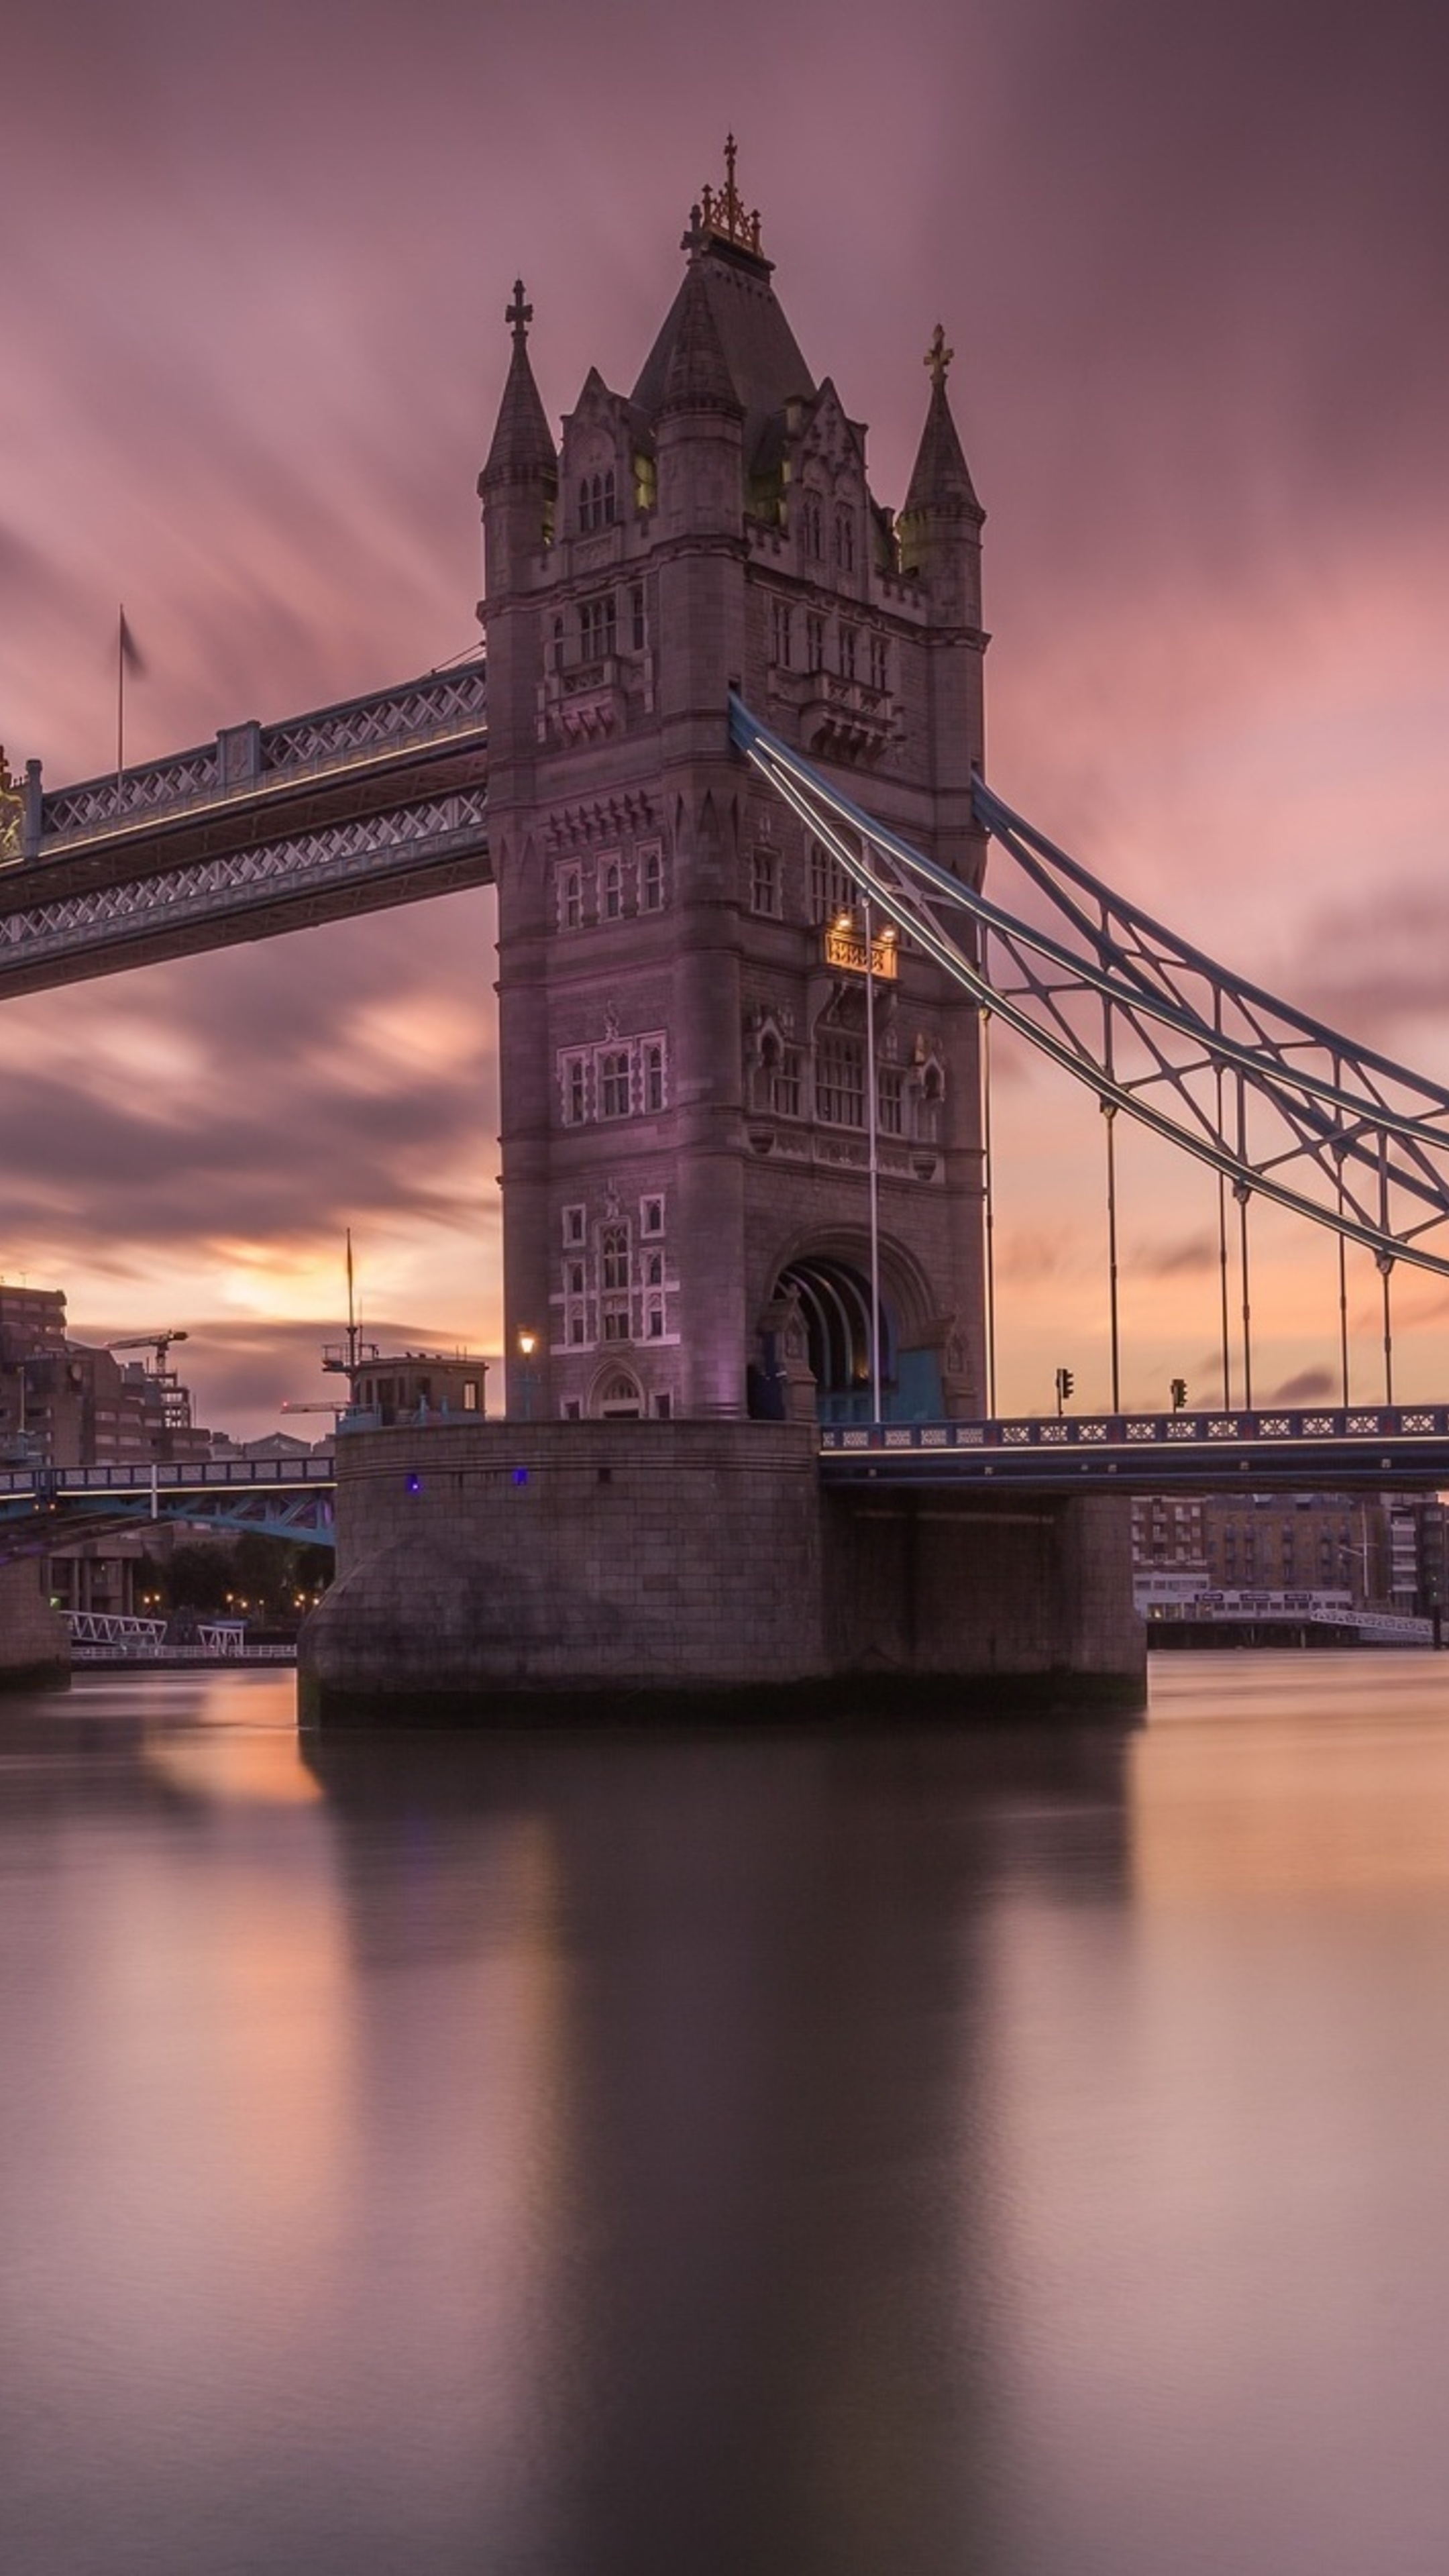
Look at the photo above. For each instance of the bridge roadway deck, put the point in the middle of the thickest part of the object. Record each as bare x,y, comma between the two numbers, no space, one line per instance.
1359,1447
377,802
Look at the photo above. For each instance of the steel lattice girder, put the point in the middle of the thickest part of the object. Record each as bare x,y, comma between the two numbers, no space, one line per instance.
1228,1073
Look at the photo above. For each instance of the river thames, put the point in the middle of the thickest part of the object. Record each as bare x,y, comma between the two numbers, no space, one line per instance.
1019,2151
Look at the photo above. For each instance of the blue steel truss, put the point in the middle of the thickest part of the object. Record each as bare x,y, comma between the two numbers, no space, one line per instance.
46,1509
1281,1106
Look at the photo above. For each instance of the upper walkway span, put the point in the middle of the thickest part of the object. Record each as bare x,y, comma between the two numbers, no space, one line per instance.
375,802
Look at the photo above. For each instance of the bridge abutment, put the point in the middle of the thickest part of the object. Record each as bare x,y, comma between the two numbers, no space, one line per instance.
34,1644
509,1573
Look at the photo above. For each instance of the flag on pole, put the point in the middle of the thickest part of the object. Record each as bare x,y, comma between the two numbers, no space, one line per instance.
128,658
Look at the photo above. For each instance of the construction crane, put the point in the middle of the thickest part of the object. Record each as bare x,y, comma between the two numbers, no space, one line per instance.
160,1343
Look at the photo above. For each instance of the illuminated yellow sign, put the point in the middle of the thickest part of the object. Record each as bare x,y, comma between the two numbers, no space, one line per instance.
846,950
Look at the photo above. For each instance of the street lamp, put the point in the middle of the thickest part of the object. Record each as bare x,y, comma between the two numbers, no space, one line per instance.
527,1380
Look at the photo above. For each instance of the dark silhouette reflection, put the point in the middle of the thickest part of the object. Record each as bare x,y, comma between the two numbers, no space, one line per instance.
765,2292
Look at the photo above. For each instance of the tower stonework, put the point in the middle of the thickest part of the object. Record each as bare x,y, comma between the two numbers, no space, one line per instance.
684,1050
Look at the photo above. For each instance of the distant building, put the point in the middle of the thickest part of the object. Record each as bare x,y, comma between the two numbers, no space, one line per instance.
419,1385
1389,1551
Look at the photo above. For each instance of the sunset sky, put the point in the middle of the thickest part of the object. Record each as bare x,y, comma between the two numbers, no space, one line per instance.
1195,268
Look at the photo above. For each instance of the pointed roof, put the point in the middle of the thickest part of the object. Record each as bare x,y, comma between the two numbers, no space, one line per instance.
761,358
698,370
941,479
522,445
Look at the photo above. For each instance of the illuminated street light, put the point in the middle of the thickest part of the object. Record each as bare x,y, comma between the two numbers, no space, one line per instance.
527,1377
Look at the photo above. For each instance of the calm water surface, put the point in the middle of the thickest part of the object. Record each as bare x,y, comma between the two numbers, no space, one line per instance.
895,2155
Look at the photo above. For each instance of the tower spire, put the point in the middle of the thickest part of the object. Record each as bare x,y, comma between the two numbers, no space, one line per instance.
522,447
940,485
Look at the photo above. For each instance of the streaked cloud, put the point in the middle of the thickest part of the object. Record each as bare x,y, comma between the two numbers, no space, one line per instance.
1192,266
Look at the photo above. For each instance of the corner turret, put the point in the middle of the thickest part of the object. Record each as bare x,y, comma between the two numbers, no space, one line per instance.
940,525
519,483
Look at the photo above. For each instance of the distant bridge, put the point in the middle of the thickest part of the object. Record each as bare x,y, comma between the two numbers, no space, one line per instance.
44,1509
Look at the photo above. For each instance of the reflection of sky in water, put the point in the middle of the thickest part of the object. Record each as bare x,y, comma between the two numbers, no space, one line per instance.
1016,2150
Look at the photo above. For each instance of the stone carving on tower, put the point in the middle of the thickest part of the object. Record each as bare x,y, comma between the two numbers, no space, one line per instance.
684,1048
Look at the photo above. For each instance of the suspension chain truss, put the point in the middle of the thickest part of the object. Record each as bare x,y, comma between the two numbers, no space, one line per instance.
1284,1108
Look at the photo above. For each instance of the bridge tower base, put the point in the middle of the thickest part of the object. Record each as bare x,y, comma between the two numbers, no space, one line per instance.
563,1573
34,1645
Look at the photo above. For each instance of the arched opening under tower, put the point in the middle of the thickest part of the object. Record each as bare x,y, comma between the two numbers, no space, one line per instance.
815,1345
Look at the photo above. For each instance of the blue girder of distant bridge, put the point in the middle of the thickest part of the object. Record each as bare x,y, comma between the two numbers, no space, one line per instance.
45,1509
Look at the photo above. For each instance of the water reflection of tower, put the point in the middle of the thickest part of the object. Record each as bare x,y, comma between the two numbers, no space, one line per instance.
727,2016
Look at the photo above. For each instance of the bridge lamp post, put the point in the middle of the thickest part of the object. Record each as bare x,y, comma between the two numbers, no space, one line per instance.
527,1379
872,1124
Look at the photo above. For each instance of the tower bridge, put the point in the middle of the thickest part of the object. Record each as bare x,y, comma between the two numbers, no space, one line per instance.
725,766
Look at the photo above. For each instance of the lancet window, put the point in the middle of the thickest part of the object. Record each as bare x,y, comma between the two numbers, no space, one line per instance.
596,501
597,627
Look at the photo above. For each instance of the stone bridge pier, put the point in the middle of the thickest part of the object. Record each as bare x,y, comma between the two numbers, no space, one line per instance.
566,1572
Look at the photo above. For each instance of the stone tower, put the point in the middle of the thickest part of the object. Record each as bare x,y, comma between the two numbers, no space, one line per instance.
684,1050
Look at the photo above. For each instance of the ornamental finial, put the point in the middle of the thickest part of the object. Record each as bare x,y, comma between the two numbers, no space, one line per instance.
722,212
12,809
519,314
938,357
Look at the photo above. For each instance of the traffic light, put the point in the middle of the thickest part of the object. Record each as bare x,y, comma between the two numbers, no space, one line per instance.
1065,1384
1179,1393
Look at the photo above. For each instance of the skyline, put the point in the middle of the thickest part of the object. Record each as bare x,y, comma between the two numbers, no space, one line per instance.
1193,278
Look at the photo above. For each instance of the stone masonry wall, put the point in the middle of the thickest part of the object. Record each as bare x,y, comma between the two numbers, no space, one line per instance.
940,1583
569,1558
34,1646
502,1569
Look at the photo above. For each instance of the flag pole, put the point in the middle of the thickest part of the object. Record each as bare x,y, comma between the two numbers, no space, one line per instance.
120,700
